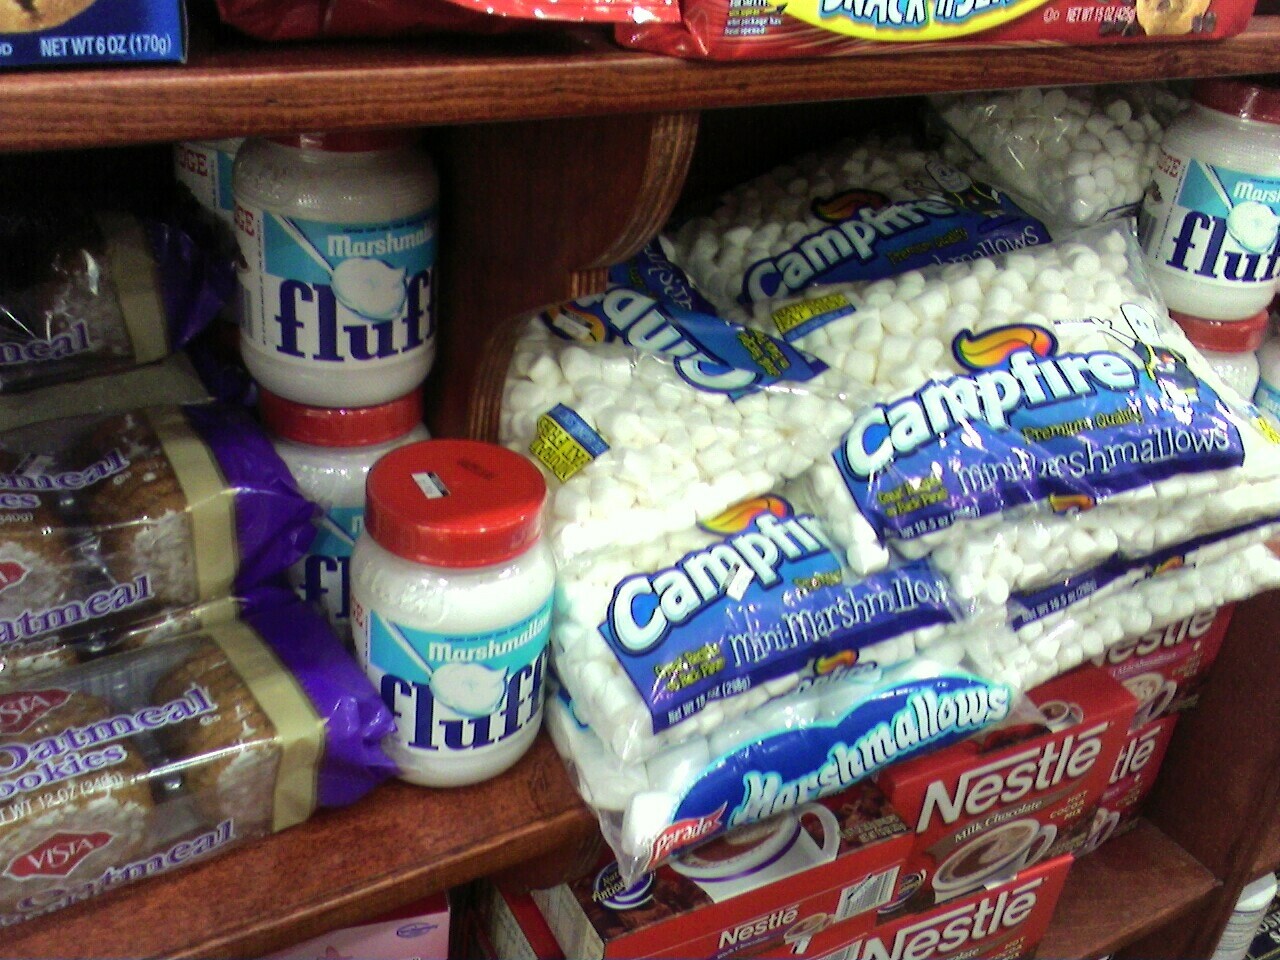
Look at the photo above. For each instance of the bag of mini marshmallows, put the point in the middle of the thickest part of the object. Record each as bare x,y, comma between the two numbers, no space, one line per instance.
831,732
858,211
646,418
111,521
1056,628
1073,156
671,639
1037,413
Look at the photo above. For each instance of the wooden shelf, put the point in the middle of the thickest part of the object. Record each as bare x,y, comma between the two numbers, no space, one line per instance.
341,867
1133,885
236,88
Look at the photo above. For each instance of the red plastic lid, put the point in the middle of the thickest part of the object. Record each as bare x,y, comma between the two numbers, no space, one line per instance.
454,503
341,426
1224,336
1240,98
356,141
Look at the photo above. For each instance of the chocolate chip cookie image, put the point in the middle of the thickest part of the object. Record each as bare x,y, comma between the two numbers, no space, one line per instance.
28,16
229,758
1170,17
67,814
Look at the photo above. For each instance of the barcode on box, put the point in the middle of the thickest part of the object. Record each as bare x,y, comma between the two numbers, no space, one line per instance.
873,891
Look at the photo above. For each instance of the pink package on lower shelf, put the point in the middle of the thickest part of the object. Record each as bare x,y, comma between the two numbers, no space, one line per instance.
418,931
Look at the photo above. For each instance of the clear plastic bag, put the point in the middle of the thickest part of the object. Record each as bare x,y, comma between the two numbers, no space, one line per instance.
828,734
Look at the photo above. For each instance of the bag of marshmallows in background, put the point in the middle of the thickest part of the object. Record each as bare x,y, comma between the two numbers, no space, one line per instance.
1073,156
860,210
112,522
151,759
645,417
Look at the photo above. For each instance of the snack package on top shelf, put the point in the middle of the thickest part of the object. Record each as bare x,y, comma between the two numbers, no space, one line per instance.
1073,156
832,731
646,417
110,521
89,293
860,210
672,639
1037,413
45,33
729,30
139,763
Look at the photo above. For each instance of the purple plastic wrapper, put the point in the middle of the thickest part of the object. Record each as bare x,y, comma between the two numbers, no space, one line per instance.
195,284
355,718
273,519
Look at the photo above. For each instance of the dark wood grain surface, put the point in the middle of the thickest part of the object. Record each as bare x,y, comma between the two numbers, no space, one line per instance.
253,89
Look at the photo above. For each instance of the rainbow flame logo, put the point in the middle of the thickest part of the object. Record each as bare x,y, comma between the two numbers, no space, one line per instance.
742,515
1066,502
842,206
998,344
577,324
830,664
1173,563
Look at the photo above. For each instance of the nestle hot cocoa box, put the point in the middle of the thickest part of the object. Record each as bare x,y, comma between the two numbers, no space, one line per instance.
761,887
986,808
511,927
1166,669
1132,778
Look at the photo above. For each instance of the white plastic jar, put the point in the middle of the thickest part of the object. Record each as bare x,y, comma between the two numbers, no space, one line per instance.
204,167
337,236
1210,220
1267,395
1229,346
330,452
1248,914
451,587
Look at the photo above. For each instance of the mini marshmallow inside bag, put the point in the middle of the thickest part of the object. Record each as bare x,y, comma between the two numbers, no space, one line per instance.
670,640
646,418
1074,156
1038,412
832,731
860,210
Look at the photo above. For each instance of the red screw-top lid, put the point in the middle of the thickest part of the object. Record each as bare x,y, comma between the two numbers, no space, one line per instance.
340,426
1240,98
1224,336
356,141
454,503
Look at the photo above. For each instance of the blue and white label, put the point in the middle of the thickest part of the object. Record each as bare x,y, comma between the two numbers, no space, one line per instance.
765,600
323,576
1031,424
337,294
457,692
206,171
1211,223
1267,398
709,354
793,767
867,236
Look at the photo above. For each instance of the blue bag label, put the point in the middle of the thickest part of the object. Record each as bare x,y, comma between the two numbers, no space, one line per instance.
869,237
1031,424
337,293
761,602
794,767
1212,224
323,576
708,353
651,272
457,692
137,31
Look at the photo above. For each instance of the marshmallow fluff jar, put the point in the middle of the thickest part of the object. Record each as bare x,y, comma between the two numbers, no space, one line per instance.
451,592
330,451
1210,220
337,238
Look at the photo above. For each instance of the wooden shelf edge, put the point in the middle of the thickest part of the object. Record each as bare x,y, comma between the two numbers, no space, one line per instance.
1133,885
257,89
341,867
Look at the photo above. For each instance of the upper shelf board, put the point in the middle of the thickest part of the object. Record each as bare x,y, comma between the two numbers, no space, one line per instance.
240,88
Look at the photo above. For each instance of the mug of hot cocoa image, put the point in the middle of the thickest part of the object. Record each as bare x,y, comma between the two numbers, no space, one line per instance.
761,853
992,857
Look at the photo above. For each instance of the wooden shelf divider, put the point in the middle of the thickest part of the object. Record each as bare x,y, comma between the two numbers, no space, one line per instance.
246,88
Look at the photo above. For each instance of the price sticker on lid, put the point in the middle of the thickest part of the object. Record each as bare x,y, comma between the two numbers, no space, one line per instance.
431,485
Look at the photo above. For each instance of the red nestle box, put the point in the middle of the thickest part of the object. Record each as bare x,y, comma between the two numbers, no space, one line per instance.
1166,669
993,805
1005,922
758,886
511,927
1132,778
